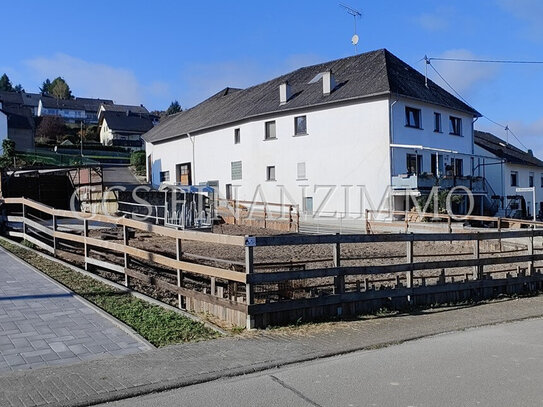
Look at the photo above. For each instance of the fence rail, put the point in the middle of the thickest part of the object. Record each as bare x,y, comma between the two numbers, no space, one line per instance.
410,219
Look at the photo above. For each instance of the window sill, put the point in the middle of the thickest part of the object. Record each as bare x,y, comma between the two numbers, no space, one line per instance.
454,134
300,135
438,131
271,180
301,179
270,139
413,127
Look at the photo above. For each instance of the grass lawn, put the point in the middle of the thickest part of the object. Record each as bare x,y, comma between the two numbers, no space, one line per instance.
159,326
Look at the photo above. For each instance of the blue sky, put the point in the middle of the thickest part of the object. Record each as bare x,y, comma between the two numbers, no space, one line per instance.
154,52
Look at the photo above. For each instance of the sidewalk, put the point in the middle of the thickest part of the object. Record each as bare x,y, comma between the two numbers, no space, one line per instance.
110,379
44,324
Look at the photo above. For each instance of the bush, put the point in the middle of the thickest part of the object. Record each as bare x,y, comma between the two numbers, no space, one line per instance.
137,160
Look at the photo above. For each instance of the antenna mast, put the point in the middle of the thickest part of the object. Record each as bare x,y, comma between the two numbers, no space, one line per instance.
356,14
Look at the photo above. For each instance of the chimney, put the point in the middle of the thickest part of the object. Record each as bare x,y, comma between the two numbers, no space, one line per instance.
127,113
530,152
328,82
285,92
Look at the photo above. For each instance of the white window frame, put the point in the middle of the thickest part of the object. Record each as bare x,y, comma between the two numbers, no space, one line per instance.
267,132
270,173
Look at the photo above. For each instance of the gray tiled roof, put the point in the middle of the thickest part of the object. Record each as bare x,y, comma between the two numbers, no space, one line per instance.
31,99
12,98
370,74
133,123
502,149
19,117
124,108
86,104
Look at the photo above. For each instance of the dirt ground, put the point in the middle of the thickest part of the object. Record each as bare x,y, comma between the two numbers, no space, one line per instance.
270,259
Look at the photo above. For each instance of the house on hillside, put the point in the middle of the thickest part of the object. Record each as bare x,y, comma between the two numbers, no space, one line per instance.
72,110
31,101
123,125
18,119
338,137
507,168
20,126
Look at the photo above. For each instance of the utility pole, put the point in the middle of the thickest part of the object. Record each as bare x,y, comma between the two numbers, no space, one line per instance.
81,142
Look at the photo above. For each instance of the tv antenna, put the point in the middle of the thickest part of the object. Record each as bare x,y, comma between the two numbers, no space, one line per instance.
356,14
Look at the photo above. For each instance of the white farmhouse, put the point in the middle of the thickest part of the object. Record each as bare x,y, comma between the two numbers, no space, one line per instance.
123,125
341,136
507,168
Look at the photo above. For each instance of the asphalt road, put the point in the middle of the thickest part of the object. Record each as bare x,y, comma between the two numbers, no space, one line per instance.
499,365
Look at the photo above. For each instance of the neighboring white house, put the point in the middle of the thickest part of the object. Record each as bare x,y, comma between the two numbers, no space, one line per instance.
507,168
342,136
122,125
72,110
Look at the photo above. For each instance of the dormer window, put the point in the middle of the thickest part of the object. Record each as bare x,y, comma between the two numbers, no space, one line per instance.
412,117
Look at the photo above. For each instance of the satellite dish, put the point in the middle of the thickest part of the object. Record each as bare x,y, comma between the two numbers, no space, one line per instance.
354,40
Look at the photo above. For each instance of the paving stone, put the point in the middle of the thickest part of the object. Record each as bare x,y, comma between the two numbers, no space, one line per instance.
42,324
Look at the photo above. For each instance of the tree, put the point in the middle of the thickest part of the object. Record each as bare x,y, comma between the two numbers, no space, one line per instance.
45,86
50,129
175,107
60,89
5,83
137,160
18,88
8,147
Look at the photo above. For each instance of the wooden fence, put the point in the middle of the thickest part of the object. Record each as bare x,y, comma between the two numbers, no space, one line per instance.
40,225
409,220
259,294
275,216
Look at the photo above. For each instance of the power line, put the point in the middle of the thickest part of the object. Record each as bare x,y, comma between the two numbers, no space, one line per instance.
505,127
486,61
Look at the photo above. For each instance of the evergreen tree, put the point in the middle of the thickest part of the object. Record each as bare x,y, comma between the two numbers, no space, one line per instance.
60,89
5,83
46,86
175,107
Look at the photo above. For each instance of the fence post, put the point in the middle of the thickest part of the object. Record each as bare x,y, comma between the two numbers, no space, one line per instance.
500,230
409,274
24,221
55,227
178,255
85,245
126,257
367,221
530,269
249,269
339,280
449,225
477,269
290,209
298,218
